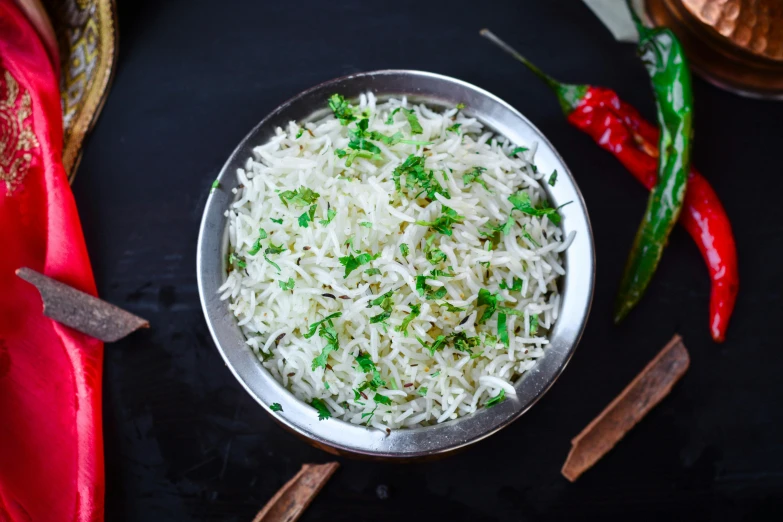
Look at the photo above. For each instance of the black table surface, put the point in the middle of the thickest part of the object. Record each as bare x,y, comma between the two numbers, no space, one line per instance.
184,442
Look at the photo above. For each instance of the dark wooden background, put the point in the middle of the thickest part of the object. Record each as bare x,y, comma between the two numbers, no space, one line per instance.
184,442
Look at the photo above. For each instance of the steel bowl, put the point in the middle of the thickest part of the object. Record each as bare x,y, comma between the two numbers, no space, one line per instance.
342,437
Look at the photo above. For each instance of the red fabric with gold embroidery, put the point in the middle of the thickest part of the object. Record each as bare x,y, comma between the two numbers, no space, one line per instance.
51,446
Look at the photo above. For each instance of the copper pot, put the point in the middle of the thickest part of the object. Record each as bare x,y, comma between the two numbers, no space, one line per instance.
735,44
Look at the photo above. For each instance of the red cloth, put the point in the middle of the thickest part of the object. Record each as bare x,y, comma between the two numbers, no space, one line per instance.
51,445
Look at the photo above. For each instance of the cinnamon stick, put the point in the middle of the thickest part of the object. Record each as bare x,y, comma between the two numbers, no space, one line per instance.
627,409
82,311
293,498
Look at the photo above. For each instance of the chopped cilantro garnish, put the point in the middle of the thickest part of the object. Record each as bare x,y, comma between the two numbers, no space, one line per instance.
287,285
414,313
233,259
328,332
521,202
454,128
413,121
342,109
433,255
380,318
533,324
299,134
351,262
367,366
440,293
460,106
372,271
438,344
475,175
497,399
384,300
415,175
215,184
463,343
502,329
365,363
307,217
275,407
404,250
330,213
395,138
323,411
422,391
421,284
491,302
516,285
451,308
278,221
300,197
365,224
441,273
256,248
382,399
326,385
517,151
553,178
277,267
527,235
315,325
510,311
435,374
274,249
444,222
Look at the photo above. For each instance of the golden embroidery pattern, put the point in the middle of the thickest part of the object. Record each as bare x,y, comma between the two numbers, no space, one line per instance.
16,135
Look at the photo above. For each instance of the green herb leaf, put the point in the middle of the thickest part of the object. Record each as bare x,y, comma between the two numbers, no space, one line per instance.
365,224
365,362
454,128
256,248
516,285
299,134
287,285
517,151
233,259
490,300
451,308
380,318
404,250
327,332
215,184
278,221
277,267
422,391
275,407
416,176
438,344
274,249
329,215
460,106
323,411
529,237
435,374
413,121
382,399
475,175
351,262
440,293
502,329
553,178
414,313
441,273
521,202
342,109
444,223
372,271
300,197
463,343
421,284
315,325
497,399
533,324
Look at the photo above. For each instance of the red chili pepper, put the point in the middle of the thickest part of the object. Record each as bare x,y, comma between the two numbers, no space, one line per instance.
619,128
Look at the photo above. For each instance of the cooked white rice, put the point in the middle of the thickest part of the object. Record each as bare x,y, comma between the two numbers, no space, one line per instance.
423,388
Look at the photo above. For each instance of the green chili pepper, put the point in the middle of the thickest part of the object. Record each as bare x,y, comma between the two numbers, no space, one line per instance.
667,66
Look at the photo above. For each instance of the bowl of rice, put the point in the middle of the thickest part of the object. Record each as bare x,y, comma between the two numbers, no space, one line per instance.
395,264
